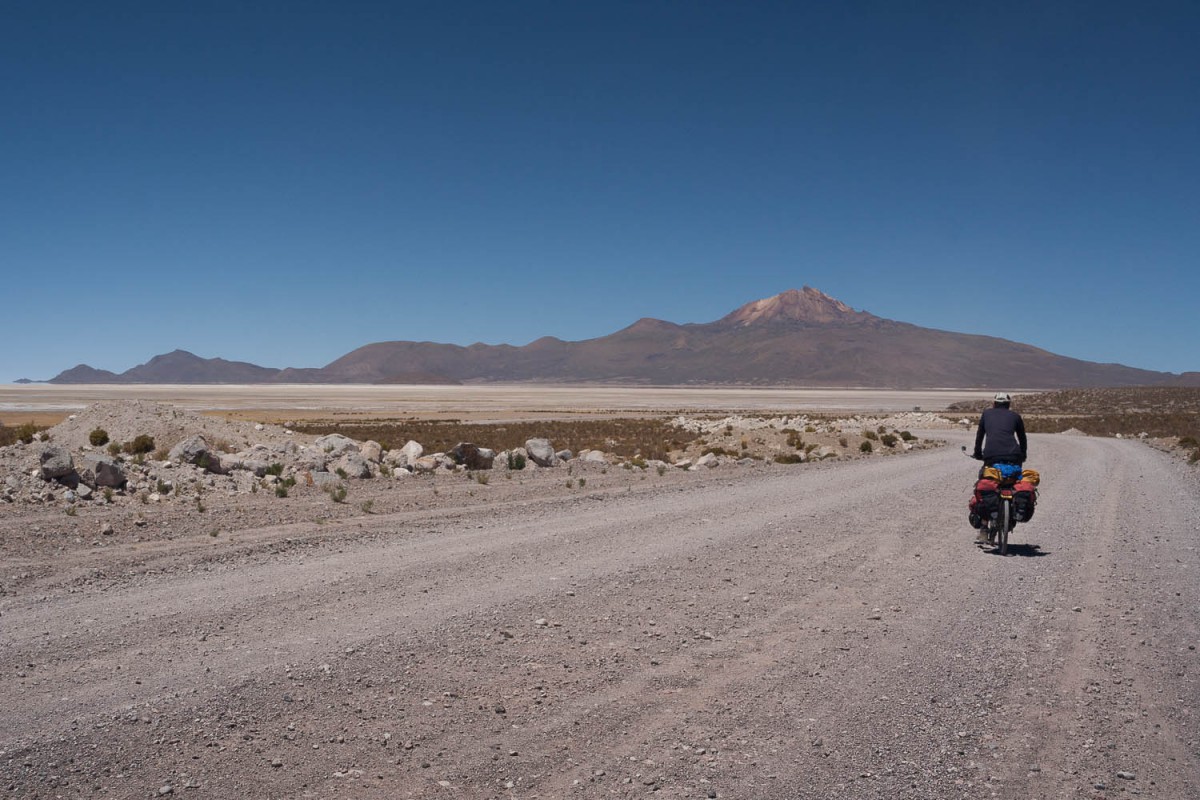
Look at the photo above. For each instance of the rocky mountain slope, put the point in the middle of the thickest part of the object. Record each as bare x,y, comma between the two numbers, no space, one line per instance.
797,338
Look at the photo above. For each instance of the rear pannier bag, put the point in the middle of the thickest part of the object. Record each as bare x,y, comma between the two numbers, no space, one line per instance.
986,500
1024,500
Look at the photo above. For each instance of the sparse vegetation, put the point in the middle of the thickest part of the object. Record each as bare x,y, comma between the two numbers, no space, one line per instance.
341,473
789,458
281,490
336,492
23,433
275,469
1159,411
871,435
367,505
516,461
114,449
865,447
139,445
98,437
481,477
888,440
625,437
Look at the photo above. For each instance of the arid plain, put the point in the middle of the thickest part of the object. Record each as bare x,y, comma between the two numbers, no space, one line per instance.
824,629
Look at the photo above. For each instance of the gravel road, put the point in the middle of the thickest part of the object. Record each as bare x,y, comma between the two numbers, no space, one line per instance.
818,631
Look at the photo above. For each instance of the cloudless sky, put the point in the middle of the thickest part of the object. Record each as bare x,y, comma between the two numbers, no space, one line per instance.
282,182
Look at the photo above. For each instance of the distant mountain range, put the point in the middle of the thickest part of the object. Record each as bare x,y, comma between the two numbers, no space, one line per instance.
797,338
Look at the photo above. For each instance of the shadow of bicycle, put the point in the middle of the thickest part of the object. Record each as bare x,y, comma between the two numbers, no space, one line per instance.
1021,550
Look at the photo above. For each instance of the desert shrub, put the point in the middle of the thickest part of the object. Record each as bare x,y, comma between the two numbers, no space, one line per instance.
844,442
662,470
367,505
341,473
721,451
275,469
1188,441
638,462
114,449
140,445
162,487
1195,456
789,458
336,493
516,461
25,432
906,436
482,478
794,440
865,447
872,435
810,429
888,440
881,429
98,437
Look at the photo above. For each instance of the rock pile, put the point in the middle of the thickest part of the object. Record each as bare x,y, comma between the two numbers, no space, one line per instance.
190,451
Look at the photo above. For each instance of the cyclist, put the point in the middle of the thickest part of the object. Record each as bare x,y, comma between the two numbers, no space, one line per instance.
1001,434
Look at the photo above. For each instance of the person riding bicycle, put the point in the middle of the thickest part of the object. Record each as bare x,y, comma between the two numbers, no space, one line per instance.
1001,435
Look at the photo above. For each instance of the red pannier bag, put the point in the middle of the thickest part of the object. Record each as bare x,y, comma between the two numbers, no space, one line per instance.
1024,500
986,499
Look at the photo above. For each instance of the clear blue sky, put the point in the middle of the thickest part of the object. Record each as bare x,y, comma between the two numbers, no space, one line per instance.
283,182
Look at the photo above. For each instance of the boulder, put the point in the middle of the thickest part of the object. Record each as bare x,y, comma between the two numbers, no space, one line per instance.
472,456
354,465
405,456
564,455
245,462
591,456
424,464
311,459
322,479
99,471
335,445
195,450
56,462
371,450
541,453
708,460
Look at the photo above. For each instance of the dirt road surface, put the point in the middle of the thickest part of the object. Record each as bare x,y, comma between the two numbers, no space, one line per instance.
818,631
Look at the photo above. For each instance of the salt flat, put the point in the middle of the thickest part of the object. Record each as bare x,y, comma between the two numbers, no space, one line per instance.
479,401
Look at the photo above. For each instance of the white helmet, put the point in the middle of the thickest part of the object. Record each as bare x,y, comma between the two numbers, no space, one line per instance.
1003,397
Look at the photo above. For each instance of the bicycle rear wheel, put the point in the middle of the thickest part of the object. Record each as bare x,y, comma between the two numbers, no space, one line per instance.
1005,525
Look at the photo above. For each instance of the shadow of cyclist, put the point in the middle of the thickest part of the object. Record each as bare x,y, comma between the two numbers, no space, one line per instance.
1024,550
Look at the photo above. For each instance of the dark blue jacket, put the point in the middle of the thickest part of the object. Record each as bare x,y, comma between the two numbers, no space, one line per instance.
1004,432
